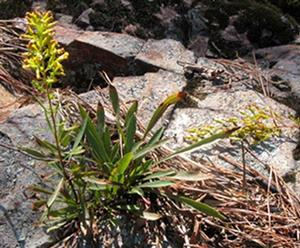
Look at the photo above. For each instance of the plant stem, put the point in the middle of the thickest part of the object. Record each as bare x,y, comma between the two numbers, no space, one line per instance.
244,166
58,145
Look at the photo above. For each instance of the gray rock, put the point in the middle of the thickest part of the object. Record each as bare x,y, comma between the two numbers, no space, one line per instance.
113,51
18,172
66,35
164,54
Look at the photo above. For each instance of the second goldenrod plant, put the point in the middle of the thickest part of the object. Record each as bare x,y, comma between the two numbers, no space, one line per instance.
254,126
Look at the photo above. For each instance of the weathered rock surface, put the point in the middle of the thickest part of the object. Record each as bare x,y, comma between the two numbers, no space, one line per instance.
165,54
116,52
18,172
112,51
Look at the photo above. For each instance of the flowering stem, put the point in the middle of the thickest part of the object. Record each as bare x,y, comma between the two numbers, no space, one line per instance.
58,145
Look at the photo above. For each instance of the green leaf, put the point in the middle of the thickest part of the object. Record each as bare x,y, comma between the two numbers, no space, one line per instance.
202,207
46,144
34,153
130,133
77,151
39,189
117,174
159,174
157,136
100,182
38,204
80,134
98,187
107,141
202,142
141,169
151,216
156,184
149,148
100,119
132,110
162,109
136,190
55,193
190,176
56,226
115,153
113,94
96,143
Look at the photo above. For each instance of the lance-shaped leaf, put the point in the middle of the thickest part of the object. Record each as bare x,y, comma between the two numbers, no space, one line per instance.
202,207
34,153
132,110
190,176
221,135
99,184
97,145
118,173
130,133
156,184
54,196
159,174
114,98
162,109
100,119
80,135
46,144
149,148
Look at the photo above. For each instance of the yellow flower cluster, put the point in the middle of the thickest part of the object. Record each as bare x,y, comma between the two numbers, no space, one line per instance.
44,55
254,126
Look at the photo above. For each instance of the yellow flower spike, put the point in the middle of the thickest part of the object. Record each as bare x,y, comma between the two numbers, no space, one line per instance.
44,54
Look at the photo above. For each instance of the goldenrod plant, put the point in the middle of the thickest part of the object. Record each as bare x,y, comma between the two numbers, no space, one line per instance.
44,55
255,125
99,169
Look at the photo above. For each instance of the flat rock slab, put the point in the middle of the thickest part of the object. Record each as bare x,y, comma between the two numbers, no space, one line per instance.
113,51
277,152
164,54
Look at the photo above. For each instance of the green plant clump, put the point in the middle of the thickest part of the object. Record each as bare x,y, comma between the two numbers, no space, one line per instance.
100,169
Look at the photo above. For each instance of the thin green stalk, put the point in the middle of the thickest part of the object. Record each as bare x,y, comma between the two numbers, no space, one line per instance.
58,145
